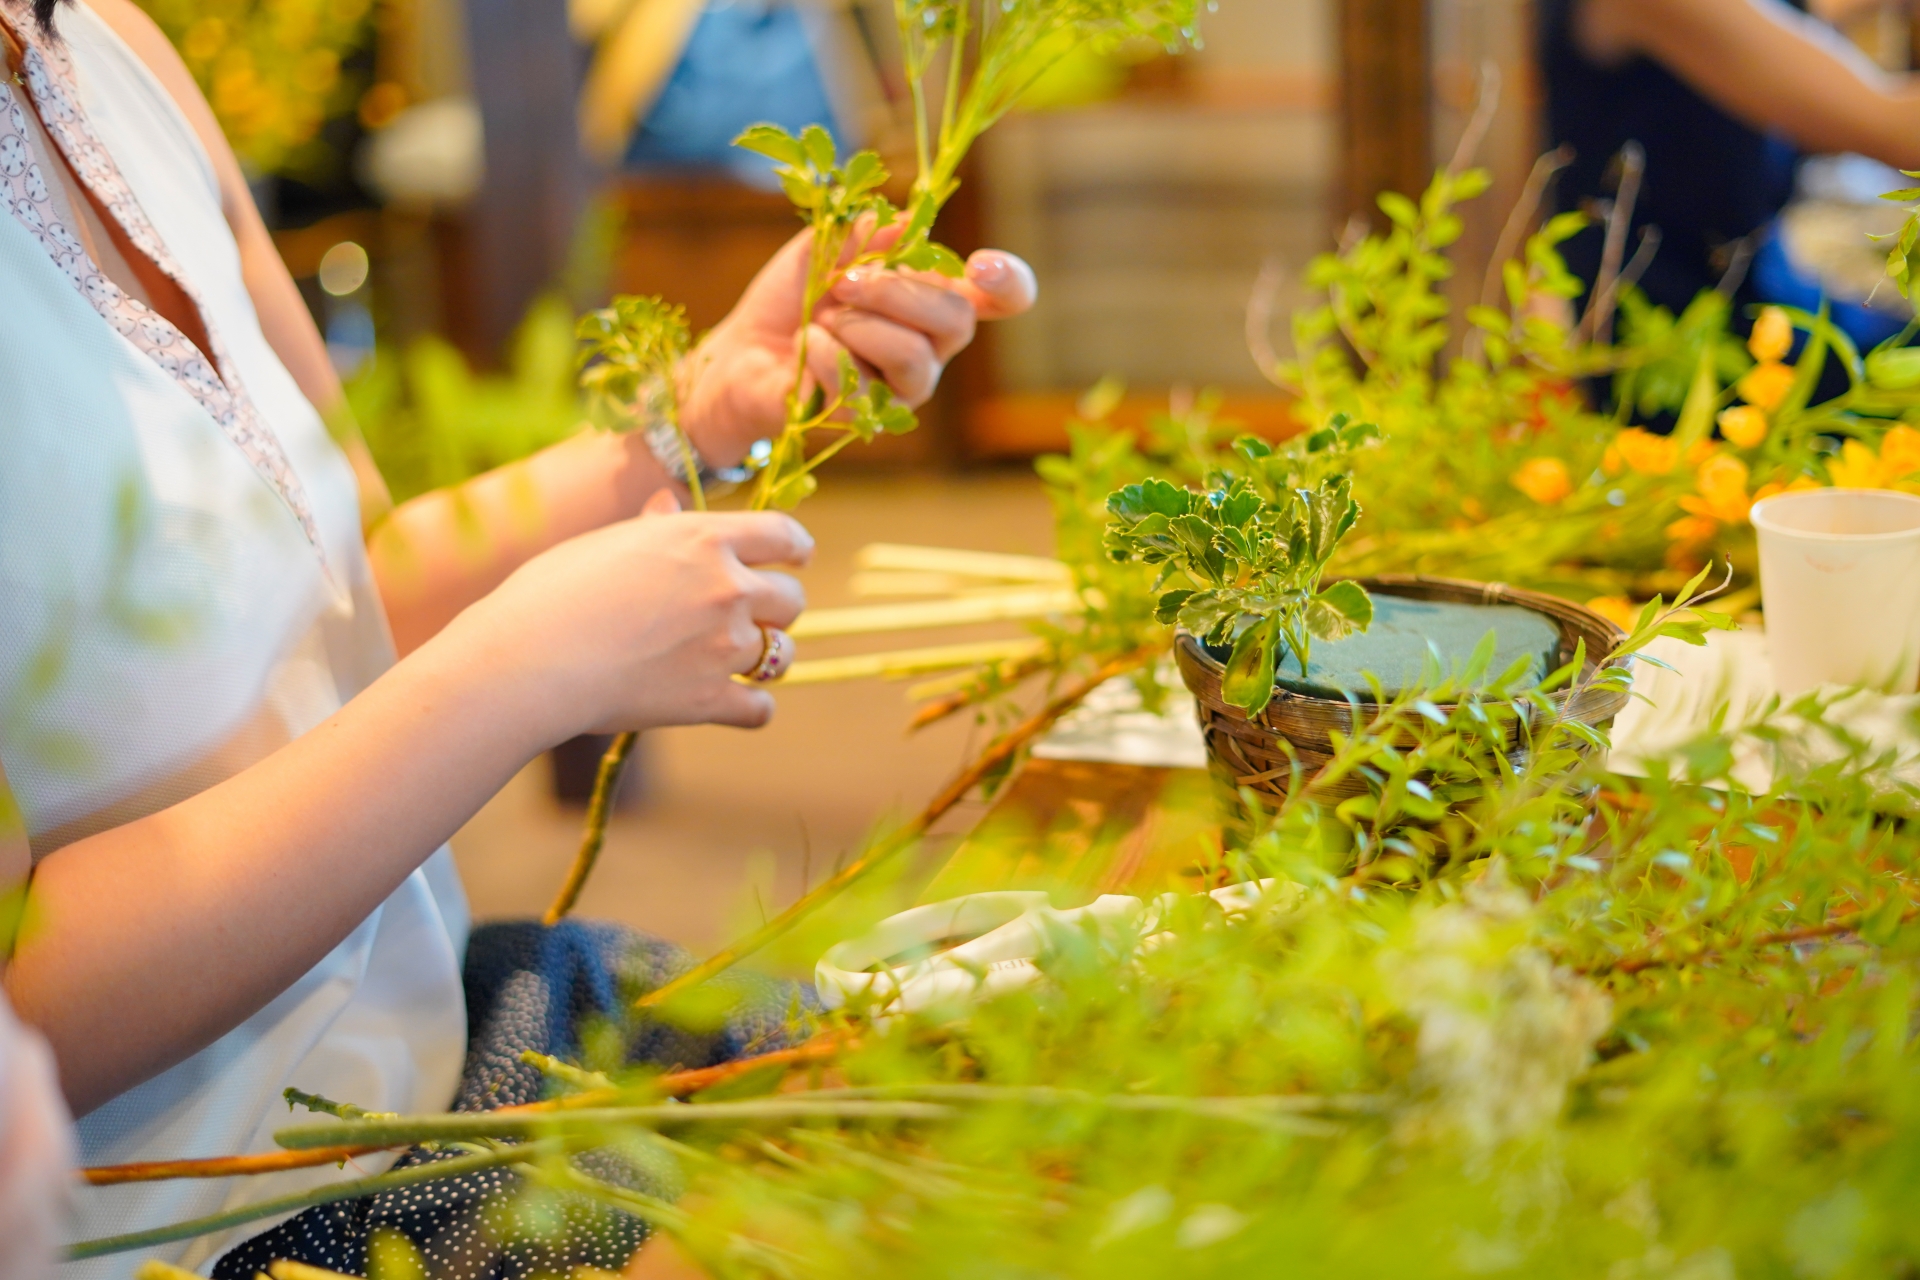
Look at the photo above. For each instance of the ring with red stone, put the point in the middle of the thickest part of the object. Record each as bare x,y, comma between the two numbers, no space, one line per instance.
776,655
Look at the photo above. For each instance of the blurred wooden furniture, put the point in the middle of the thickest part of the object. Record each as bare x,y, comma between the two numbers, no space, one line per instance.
1386,102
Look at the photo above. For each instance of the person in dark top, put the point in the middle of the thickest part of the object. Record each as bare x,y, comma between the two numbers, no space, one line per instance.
1721,96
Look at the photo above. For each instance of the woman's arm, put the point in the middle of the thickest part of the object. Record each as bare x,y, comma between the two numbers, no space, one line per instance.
440,552
153,939
1768,64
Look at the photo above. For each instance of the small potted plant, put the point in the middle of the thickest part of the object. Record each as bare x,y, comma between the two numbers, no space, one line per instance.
1281,660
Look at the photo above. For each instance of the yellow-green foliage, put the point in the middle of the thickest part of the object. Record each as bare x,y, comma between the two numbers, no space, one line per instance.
431,421
270,68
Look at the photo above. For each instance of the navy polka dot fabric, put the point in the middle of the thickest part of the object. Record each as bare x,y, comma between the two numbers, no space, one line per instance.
530,987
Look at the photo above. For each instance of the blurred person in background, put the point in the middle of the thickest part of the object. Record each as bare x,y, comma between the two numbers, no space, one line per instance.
240,731
1723,97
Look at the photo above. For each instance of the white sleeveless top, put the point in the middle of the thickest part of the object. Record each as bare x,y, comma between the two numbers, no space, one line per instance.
183,589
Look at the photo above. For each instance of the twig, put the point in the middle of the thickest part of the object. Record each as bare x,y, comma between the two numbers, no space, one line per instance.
1596,325
1259,321
1521,217
1785,938
592,1123
1486,105
327,1194
220,1166
599,811
675,1084
1631,273
960,699
998,753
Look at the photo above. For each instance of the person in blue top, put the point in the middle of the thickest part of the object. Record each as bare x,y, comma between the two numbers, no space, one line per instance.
1722,97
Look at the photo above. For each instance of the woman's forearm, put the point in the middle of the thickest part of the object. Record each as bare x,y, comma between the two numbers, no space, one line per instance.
153,939
441,551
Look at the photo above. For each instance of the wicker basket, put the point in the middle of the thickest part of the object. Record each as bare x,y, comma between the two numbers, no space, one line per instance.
1248,753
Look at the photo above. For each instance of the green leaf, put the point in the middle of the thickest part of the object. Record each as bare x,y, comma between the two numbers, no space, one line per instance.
1248,682
931,256
1167,609
793,491
863,173
772,141
1340,610
818,144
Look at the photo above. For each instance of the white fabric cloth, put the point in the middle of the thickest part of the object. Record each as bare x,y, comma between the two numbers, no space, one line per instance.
164,623
36,1153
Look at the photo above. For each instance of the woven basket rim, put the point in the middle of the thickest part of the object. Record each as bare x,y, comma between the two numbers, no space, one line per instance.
1564,612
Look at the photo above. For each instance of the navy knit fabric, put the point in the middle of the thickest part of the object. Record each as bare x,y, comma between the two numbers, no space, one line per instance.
1710,179
530,987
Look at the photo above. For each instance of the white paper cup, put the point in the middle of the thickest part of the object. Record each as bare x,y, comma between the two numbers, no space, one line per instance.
1840,581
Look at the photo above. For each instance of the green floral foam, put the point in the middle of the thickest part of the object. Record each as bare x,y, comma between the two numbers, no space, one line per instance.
1407,634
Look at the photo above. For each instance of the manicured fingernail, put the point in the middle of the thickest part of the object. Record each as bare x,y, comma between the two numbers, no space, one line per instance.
988,270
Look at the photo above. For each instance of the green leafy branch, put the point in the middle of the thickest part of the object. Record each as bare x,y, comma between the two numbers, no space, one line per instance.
1249,554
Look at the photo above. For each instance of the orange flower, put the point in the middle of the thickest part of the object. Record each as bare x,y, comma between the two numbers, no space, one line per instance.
1766,384
1744,425
1772,336
1722,485
1616,609
1688,530
1545,480
1645,452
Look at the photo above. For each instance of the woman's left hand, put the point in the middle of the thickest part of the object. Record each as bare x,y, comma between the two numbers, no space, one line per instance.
899,326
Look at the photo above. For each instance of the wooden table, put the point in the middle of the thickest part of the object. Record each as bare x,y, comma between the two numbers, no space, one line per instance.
1107,828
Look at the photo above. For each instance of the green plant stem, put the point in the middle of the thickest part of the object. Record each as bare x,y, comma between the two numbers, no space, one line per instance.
593,1122
329,1194
1001,750
599,812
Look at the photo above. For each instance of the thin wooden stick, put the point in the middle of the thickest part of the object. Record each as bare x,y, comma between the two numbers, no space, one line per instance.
676,1084
327,1194
964,564
957,611
599,812
960,699
591,1123
1002,750
898,663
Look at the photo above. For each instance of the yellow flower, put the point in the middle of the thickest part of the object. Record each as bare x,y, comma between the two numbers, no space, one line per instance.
1766,384
1618,610
1772,336
1743,425
1545,480
1857,467
1645,452
1899,453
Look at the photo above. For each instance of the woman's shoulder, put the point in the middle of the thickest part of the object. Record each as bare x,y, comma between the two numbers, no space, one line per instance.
143,37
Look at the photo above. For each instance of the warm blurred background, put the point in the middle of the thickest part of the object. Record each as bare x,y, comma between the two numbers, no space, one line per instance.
452,180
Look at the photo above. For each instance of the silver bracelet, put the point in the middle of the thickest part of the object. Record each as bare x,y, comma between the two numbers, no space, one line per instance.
672,449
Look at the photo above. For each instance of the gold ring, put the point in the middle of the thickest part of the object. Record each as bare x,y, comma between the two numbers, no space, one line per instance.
776,655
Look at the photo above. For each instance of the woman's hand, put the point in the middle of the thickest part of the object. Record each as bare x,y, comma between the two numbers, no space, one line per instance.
899,326
641,624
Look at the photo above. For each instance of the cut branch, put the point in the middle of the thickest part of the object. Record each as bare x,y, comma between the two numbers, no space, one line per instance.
1785,938
676,1084
606,784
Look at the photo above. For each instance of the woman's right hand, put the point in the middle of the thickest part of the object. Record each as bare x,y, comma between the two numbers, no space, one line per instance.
640,624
